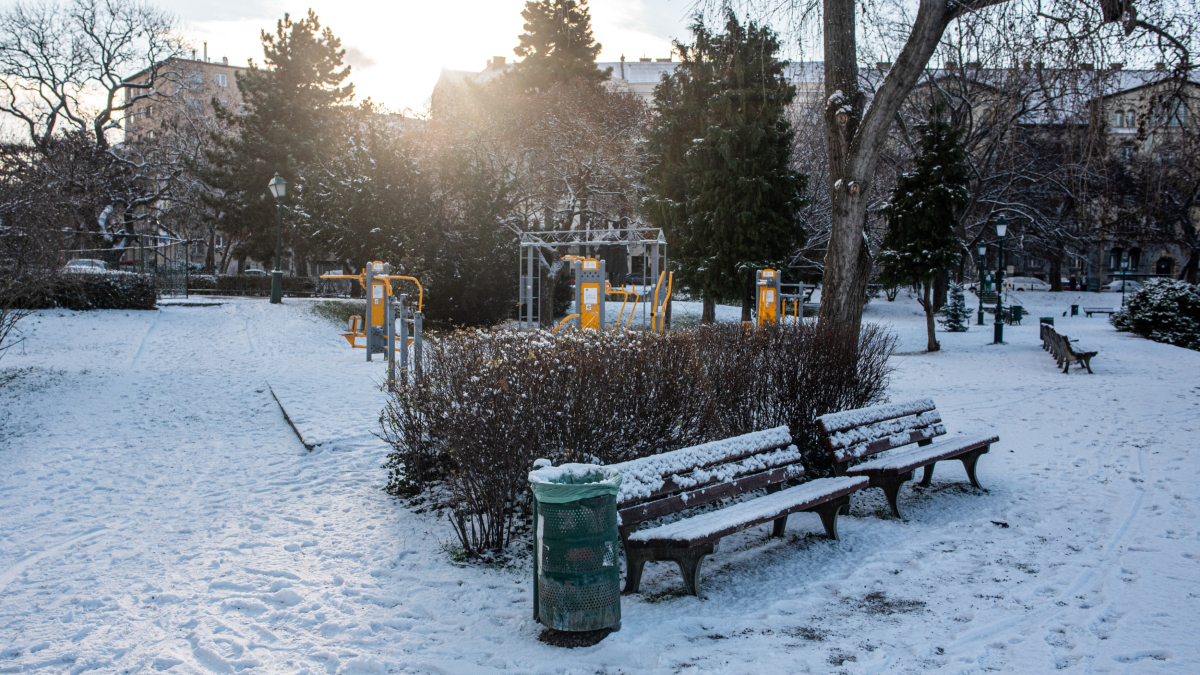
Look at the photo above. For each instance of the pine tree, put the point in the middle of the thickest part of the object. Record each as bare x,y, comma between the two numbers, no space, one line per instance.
557,45
955,315
920,242
719,176
289,121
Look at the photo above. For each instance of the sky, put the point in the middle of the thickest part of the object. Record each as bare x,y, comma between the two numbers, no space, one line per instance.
397,48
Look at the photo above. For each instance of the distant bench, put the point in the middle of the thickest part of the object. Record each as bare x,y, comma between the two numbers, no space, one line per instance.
877,435
1089,311
672,482
1063,351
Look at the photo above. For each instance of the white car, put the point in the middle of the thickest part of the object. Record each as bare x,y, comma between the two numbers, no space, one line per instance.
1130,285
86,265
255,273
1025,284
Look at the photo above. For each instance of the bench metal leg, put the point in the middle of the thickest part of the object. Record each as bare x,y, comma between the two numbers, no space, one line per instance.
927,475
688,559
779,526
969,460
891,488
1088,364
829,512
635,561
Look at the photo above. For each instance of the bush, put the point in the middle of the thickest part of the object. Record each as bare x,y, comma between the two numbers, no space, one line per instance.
202,282
493,401
106,290
249,285
1164,310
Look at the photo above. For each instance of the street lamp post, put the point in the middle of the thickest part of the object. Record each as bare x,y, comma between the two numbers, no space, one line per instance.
278,188
982,262
1001,230
1124,277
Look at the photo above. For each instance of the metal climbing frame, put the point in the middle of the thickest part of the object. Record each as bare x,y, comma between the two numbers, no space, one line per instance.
543,248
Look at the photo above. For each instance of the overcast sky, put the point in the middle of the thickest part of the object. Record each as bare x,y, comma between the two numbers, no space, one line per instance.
398,47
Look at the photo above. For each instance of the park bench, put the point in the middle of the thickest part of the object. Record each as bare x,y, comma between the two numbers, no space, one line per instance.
672,482
1064,352
1089,311
872,442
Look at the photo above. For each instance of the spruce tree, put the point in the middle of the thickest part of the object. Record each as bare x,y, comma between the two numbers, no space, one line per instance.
288,121
955,315
557,45
720,181
920,242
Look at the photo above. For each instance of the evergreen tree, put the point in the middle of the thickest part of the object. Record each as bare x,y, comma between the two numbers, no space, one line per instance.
557,45
719,176
955,315
290,119
920,243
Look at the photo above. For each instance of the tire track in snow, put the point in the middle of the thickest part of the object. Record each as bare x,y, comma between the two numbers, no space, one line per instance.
142,344
14,571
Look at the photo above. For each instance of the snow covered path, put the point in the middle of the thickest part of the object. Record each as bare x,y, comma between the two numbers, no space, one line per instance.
157,513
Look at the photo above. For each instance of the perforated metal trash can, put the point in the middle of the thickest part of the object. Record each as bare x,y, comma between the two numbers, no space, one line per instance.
577,578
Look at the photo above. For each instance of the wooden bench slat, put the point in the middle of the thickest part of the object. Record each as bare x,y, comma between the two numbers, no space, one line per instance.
906,460
883,436
848,419
714,525
724,472
655,509
646,477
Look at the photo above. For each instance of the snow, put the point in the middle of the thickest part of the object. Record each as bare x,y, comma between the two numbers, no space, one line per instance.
902,458
572,474
841,421
157,513
714,523
643,476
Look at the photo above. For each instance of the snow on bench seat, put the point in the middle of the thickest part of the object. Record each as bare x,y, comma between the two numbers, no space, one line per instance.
902,461
848,419
688,467
713,525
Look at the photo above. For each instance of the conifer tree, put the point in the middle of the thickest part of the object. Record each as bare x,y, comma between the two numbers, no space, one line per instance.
557,45
289,119
920,242
719,177
955,315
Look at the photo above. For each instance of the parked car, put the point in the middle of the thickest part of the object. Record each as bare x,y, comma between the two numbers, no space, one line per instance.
86,265
255,273
1025,284
1130,285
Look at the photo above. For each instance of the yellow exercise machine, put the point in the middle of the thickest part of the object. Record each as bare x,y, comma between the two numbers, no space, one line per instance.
658,310
589,301
381,316
768,296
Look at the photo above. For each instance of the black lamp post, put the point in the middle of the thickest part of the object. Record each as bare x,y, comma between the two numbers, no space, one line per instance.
1124,277
278,188
1001,230
982,262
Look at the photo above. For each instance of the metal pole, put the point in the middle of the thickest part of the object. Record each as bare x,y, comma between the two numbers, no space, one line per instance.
370,277
982,262
276,273
529,289
418,364
998,336
389,314
403,338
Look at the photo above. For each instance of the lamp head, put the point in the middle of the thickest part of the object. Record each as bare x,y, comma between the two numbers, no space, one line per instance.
1001,226
982,250
278,186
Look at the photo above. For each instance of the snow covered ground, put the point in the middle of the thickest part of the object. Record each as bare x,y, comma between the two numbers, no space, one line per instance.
157,513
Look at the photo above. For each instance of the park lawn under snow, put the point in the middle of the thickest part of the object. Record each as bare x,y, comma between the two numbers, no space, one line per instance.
157,513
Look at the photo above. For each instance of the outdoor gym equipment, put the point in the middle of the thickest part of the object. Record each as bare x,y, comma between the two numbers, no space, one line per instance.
773,302
541,249
590,302
658,312
382,315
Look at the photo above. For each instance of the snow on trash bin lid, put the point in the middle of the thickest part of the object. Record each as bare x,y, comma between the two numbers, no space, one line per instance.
572,482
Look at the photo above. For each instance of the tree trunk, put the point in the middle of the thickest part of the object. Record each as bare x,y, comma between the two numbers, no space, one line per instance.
549,284
927,305
1056,272
709,313
941,288
210,256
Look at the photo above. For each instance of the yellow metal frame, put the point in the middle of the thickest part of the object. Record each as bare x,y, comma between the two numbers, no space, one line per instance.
768,299
658,313
384,280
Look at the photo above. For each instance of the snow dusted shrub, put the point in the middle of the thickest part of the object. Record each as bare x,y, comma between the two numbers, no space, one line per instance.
105,290
1164,310
493,401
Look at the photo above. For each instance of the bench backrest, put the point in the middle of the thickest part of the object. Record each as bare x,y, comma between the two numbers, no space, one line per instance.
855,434
673,481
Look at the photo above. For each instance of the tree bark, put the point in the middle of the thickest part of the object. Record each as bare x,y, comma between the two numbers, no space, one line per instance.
709,312
1056,272
927,304
748,301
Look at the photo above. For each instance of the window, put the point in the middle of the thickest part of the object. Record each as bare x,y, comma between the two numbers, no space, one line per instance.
1164,266
1130,119
1114,258
221,80
1135,259
196,77
1119,120
1126,152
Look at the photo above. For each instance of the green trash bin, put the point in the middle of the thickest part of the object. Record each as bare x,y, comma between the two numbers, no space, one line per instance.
577,578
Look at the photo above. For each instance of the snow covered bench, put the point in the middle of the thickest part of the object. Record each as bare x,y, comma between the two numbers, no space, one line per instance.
1064,352
854,435
672,482
1089,311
